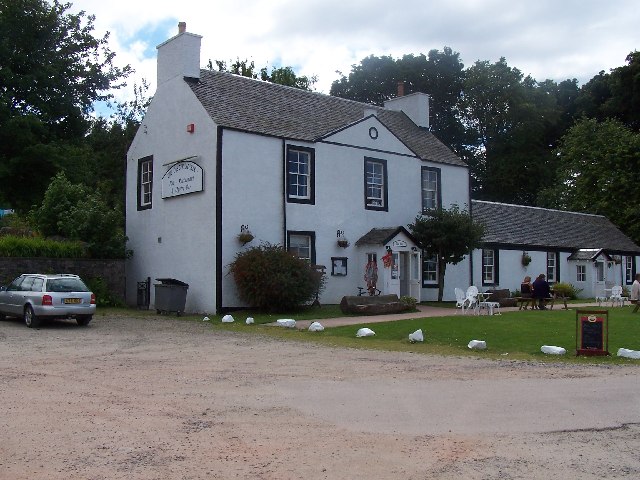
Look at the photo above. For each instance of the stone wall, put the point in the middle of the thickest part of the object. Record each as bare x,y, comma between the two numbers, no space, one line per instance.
111,271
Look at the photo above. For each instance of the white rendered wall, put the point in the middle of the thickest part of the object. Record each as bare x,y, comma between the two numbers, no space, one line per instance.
253,196
176,237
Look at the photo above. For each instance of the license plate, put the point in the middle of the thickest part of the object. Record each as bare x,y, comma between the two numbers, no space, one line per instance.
72,300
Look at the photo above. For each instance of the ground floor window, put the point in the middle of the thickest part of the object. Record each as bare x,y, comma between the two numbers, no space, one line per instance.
302,245
489,267
628,270
551,267
581,273
429,270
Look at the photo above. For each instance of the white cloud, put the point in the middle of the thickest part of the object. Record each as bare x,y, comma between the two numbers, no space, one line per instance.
547,38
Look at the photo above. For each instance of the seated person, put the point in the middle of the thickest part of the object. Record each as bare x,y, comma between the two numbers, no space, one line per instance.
526,291
541,291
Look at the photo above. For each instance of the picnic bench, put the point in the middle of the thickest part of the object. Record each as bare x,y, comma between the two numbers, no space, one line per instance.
523,302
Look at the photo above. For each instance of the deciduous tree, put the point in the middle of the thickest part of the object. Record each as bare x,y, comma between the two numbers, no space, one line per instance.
52,70
599,172
448,233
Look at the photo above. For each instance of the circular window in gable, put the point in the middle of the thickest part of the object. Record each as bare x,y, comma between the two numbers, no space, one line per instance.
373,132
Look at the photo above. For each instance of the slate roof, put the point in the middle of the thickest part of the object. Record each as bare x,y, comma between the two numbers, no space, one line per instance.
587,254
522,226
251,105
380,236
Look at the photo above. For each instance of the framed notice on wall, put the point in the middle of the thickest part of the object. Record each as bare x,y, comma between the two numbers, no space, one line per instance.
592,332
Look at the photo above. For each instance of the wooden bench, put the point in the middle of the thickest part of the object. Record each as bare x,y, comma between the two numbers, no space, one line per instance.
372,305
523,302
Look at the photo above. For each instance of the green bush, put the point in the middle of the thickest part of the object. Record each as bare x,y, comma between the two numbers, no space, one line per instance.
566,290
77,212
409,302
104,297
272,279
13,246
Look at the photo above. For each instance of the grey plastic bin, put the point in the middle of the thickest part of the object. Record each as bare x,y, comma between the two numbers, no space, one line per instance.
171,295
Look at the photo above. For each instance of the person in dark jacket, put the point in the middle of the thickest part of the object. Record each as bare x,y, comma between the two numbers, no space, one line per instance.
541,291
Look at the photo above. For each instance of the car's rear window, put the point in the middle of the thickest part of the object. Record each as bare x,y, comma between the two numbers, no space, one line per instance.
66,285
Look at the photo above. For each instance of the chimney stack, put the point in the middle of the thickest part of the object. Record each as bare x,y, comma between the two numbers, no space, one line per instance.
179,56
414,105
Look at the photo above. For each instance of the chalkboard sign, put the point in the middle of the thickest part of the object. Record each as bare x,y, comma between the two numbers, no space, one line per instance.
592,332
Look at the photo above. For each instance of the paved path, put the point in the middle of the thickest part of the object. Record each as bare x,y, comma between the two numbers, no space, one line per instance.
424,311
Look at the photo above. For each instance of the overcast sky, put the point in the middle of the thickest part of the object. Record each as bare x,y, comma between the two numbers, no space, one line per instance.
556,39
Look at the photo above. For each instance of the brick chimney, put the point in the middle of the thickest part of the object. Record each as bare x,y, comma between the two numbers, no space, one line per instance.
179,56
400,88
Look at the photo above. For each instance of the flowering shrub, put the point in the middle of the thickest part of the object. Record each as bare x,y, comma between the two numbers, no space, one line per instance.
272,279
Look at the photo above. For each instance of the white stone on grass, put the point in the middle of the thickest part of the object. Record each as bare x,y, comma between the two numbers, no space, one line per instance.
227,319
625,352
551,350
365,332
249,321
286,322
316,327
416,336
206,319
477,345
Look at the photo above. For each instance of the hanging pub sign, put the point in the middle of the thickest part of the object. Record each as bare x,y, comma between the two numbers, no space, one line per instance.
592,332
182,178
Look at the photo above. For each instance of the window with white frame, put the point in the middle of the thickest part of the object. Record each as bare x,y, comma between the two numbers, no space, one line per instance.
489,267
301,244
430,188
375,184
581,273
145,183
551,267
429,270
300,174
628,270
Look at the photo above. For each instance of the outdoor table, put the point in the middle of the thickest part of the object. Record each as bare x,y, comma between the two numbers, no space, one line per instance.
483,303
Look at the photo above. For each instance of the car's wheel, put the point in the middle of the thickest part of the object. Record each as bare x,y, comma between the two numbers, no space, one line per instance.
84,320
30,318
2,316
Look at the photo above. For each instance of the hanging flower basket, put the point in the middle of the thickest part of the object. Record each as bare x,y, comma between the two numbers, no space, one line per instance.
343,242
245,237
526,259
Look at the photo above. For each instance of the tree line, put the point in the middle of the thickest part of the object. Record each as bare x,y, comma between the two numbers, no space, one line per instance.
520,136
549,144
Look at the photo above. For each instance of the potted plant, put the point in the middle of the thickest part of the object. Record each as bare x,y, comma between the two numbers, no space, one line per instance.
343,242
526,259
245,237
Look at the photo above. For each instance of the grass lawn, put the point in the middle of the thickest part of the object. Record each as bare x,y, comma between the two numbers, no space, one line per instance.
513,335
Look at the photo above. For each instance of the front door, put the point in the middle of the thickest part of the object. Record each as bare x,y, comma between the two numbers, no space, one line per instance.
404,273
415,275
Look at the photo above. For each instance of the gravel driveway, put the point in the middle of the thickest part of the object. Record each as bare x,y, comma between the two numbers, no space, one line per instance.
163,398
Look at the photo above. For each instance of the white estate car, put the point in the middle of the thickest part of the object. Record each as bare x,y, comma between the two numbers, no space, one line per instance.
36,297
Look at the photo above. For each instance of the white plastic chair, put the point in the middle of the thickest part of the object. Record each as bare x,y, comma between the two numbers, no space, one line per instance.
461,300
472,299
616,296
